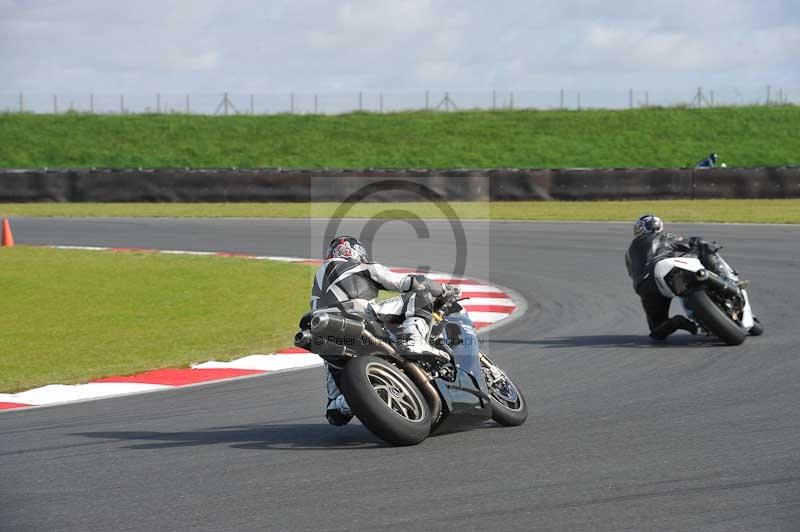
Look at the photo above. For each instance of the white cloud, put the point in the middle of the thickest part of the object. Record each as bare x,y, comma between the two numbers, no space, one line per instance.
352,45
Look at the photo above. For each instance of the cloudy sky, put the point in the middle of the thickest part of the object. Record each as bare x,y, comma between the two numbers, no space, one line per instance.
349,45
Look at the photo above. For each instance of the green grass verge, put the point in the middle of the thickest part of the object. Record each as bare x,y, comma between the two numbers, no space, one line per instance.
654,137
745,211
71,316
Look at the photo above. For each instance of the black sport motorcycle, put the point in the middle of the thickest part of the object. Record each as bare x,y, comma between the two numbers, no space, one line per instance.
402,400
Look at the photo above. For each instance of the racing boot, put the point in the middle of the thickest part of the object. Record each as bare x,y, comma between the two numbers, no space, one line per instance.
338,412
414,341
671,325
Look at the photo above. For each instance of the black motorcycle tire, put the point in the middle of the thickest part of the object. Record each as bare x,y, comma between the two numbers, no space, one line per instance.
714,319
507,417
504,414
373,411
757,329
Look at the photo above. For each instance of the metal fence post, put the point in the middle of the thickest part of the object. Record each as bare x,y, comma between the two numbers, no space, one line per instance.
501,99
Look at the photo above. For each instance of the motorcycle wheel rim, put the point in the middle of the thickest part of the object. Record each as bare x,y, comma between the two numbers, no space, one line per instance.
395,393
506,393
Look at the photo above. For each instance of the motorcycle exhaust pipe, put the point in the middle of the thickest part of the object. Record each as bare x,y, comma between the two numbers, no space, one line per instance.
319,345
303,339
368,338
337,326
423,381
331,335
718,283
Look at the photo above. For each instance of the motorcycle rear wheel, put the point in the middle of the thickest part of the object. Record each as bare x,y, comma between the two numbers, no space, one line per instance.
385,400
714,319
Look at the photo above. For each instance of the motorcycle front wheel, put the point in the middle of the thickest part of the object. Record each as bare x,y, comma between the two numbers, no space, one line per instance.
509,407
757,329
385,400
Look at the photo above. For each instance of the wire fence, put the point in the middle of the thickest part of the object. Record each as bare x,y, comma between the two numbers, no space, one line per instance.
387,101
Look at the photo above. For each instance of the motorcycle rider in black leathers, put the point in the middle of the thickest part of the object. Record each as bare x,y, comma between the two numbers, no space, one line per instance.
650,245
347,279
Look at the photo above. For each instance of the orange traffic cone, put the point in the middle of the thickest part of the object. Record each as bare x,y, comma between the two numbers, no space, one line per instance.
8,237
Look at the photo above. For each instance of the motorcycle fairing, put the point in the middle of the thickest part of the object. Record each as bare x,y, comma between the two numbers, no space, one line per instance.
468,396
747,312
664,266
691,264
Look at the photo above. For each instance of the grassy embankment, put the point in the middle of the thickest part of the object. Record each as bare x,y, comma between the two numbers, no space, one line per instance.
658,137
70,316
669,137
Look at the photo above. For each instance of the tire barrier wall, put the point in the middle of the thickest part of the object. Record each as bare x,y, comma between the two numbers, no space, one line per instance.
244,185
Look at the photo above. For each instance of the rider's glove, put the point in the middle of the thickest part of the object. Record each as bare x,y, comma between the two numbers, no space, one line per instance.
450,292
420,282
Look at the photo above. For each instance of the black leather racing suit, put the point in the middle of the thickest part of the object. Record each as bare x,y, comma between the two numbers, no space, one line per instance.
643,254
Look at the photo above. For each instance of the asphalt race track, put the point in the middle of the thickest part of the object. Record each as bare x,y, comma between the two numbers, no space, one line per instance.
622,434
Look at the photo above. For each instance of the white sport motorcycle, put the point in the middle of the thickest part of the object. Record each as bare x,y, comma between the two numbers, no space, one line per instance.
718,303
